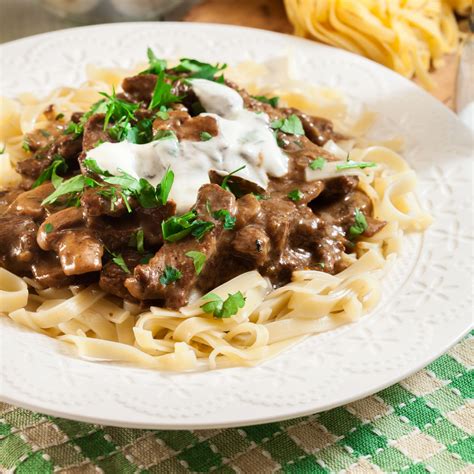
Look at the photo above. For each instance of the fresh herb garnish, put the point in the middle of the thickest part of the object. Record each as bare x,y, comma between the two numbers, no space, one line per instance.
117,109
119,261
163,113
170,275
355,164
2,150
140,238
162,95
220,308
177,227
50,172
273,101
146,194
59,117
48,227
198,69
74,185
224,184
205,136
199,259
360,225
26,146
45,133
78,128
146,258
260,197
295,195
291,125
318,163
165,135
225,216
156,65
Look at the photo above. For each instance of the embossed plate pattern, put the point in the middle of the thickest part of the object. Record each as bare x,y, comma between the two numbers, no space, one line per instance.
427,302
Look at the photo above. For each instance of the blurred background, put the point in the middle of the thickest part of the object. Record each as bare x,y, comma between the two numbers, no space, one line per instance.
421,39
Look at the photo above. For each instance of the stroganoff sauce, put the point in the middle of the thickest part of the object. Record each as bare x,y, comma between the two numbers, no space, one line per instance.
244,138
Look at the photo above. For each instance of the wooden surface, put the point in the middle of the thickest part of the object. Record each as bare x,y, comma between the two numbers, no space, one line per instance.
270,15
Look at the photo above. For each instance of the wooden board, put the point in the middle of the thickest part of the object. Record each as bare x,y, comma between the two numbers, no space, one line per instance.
270,15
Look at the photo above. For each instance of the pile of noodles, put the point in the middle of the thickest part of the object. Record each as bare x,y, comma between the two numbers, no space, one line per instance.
408,36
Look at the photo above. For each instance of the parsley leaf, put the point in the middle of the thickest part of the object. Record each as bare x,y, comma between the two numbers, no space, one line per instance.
73,185
318,163
199,69
92,165
26,146
140,240
170,275
205,136
162,95
199,259
355,164
291,125
156,65
48,227
360,225
225,216
117,109
177,227
2,150
220,308
165,135
119,261
273,101
163,113
295,195
50,172
224,184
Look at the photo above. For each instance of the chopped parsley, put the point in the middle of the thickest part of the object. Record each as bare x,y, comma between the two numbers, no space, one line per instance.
146,194
165,135
170,275
220,308
295,195
198,69
177,227
117,109
2,150
72,186
162,95
354,164
155,65
199,259
26,146
318,163
48,227
291,125
146,258
139,236
59,117
224,184
119,261
205,136
225,216
273,101
163,113
260,197
360,224
50,173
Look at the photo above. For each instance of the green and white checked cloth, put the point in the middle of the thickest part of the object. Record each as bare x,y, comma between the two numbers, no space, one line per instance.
423,424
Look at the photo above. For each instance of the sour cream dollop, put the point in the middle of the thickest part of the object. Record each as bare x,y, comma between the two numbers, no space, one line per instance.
244,138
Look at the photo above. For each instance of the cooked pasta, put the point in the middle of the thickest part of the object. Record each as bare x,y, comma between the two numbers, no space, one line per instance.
103,327
407,36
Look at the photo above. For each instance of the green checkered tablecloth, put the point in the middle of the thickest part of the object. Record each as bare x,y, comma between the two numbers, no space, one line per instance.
423,424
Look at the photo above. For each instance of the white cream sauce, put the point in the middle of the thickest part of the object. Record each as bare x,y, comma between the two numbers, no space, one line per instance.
244,138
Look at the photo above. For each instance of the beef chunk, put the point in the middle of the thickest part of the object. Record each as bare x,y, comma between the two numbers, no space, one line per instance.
139,88
252,242
94,132
112,277
48,272
145,283
18,247
97,203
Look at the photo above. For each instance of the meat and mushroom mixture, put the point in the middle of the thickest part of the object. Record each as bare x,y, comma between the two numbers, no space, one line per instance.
103,201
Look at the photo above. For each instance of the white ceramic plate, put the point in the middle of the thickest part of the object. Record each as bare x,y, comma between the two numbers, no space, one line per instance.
427,303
